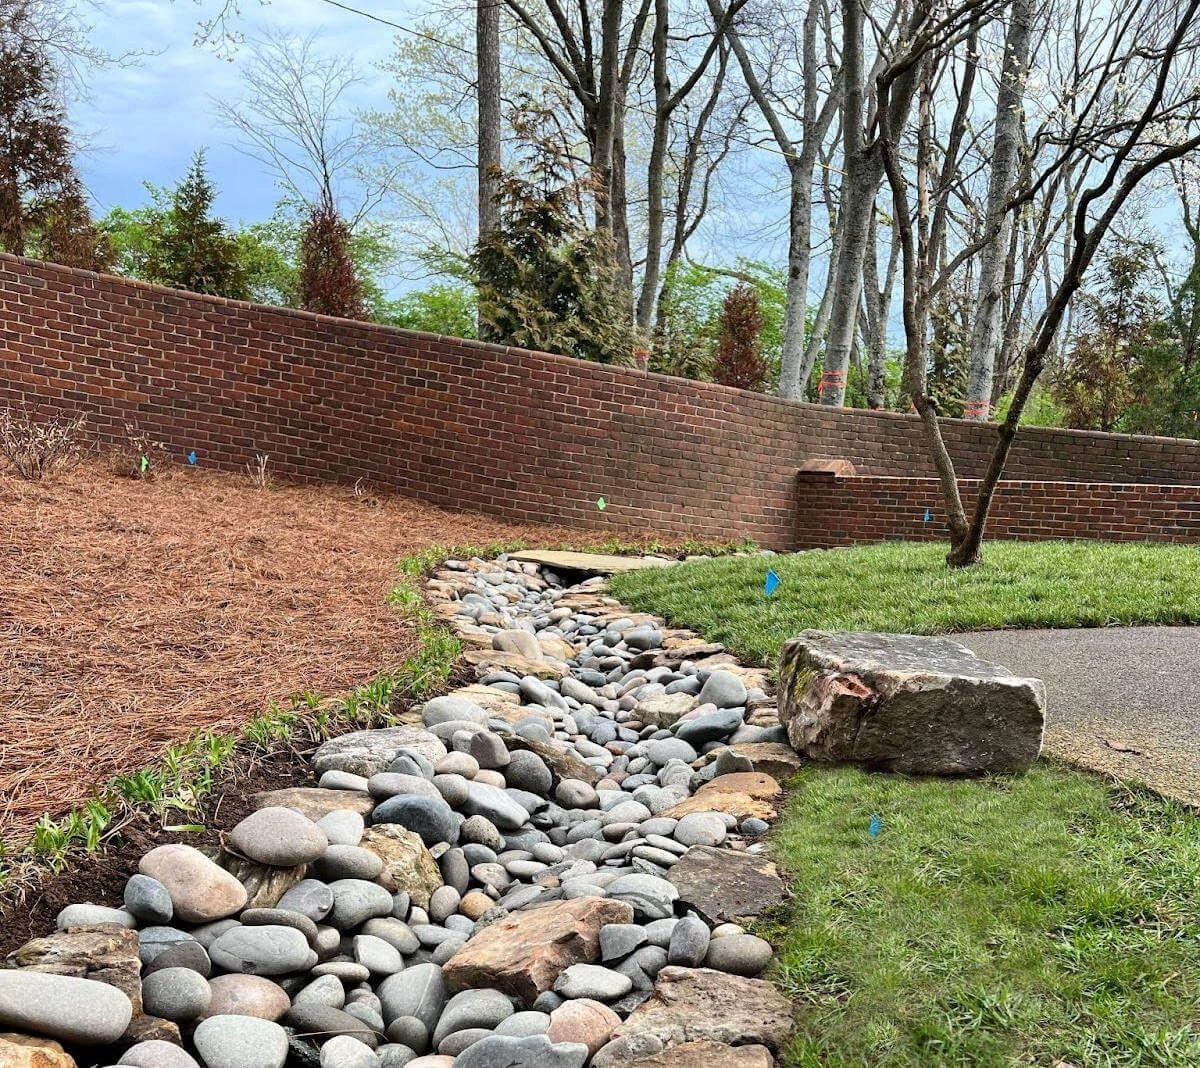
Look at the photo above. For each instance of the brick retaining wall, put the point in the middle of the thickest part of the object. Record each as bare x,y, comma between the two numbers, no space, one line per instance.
838,510
522,434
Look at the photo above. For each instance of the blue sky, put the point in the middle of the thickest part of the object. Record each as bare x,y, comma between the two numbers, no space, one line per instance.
144,120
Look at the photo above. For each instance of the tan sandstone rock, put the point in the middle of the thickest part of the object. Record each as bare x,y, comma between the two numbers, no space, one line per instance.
104,952
742,794
314,802
695,1005
25,1051
524,953
706,1055
407,864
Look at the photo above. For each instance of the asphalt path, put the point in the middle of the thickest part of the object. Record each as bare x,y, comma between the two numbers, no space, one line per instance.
1122,700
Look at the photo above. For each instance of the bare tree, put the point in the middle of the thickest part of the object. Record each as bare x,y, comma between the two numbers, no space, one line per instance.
295,117
993,256
1133,88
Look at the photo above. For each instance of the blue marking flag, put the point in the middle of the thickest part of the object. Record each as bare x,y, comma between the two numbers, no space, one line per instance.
876,826
191,457
926,515
772,583
602,504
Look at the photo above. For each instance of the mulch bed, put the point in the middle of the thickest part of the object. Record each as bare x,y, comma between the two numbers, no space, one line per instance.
135,613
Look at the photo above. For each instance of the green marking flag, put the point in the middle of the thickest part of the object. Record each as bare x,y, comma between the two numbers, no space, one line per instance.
602,504
145,464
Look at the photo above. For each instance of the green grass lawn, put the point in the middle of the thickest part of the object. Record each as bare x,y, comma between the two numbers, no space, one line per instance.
1049,918
907,588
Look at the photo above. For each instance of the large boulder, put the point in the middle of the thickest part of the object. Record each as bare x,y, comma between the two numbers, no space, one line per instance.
524,953
700,1005
904,703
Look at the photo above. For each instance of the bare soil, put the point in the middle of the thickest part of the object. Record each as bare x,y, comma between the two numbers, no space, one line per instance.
135,613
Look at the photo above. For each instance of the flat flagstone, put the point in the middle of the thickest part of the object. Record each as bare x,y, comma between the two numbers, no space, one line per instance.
725,886
590,563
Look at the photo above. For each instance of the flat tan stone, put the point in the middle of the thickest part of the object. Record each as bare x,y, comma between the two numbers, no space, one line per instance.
498,702
666,709
700,1005
742,794
103,952
486,660
726,886
776,759
25,1051
592,563
556,648
407,864
523,954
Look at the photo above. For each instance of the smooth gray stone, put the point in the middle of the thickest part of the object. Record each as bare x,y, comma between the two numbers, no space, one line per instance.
618,940
700,828
395,1055
282,918
343,1051
78,915
65,1007
489,750
457,1041
429,817
527,771
472,1008
376,955
185,954
417,991
348,862
741,954
267,950
241,1042
723,689
494,804
410,1032
652,898
313,1018
278,836
535,1051
524,1024
157,1054
689,942
455,869
709,727
155,940
592,981
394,784
178,994
147,899
343,827
395,932
450,709
324,990
309,897
662,750
355,901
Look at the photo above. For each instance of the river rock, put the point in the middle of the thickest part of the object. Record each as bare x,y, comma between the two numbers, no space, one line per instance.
63,1007
104,952
268,950
241,1042
247,995
315,802
536,1051
280,837
908,704
201,890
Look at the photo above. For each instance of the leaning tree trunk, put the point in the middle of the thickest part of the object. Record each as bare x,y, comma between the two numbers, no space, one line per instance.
985,334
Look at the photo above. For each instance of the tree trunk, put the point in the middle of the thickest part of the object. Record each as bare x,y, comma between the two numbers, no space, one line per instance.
998,219
606,113
487,58
654,172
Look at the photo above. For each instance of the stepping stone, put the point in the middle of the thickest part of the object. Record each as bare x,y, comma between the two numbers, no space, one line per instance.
588,563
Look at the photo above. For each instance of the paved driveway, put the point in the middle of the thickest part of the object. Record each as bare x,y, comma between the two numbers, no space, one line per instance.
1125,700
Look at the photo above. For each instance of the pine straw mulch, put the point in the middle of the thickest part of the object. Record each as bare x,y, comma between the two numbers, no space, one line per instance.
135,613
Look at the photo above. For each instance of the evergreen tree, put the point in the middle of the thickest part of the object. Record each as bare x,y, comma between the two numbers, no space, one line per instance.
37,175
63,230
189,248
547,280
740,360
328,282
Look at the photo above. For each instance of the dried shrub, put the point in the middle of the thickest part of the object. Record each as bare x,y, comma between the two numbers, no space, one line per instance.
739,359
138,455
257,471
37,448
